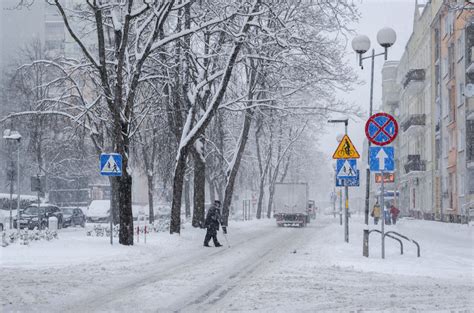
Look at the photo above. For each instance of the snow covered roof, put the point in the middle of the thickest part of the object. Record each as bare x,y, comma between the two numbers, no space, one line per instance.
25,197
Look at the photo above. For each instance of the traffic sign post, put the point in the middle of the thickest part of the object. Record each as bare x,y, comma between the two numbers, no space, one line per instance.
387,177
381,159
349,182
111,165
381,129
346,150
346,168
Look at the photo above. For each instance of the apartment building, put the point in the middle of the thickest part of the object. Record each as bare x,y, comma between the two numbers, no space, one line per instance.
414,157
435,110
452,35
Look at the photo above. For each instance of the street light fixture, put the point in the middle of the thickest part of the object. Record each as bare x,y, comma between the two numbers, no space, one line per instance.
15,136
386,37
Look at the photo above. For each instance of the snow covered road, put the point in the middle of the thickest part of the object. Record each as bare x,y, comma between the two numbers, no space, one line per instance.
267,269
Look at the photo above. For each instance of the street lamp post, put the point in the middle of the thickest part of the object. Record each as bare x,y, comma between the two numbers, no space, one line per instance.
14,135
346,188
386,37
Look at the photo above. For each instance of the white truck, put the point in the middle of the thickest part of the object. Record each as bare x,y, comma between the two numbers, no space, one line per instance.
291,204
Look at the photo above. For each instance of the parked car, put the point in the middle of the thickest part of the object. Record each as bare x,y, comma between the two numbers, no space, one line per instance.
33,216
73,216
98,211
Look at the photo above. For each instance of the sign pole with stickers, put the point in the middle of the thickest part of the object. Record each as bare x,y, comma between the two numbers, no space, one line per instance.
381,129
346,155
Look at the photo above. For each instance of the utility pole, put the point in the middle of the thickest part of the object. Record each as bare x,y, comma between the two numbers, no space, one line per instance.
346,191
346,211
383,216
340,206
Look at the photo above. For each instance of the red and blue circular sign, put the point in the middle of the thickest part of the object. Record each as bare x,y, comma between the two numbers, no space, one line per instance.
381,129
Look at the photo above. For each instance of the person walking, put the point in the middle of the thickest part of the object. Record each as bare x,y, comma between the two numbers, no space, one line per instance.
212,222
376,212
394,211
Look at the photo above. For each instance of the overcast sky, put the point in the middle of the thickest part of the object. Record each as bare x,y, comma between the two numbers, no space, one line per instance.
375,14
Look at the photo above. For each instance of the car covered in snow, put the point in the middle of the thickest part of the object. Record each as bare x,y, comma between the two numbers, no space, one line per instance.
73,216
98,211
34,216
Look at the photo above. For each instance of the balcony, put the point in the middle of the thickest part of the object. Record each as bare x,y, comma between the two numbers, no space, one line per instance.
414,81
470,65
414,164
414,121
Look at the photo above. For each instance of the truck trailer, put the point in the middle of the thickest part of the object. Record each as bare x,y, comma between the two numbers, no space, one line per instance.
290,204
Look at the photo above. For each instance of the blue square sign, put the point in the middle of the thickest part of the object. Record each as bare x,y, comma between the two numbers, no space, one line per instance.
110,164
346,168
349,182
381,159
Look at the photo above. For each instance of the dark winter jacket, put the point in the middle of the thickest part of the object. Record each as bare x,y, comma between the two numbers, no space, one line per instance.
394,211
213,219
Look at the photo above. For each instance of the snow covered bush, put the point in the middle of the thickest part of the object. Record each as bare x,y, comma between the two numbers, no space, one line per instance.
25,237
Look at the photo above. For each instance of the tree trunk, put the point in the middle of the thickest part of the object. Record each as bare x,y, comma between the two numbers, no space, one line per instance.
199,189
270,200
125,200
261,189
151,212
187,198
178,179
212,192
232,173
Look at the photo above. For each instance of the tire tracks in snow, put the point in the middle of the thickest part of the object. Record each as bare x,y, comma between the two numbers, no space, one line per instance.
209,299
101,301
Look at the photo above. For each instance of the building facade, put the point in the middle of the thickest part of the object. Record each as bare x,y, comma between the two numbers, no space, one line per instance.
435,76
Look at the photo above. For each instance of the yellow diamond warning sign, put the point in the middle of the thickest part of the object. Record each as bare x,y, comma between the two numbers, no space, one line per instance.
346,150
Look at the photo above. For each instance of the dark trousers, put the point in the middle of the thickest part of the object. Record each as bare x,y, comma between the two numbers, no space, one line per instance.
211,233
376,220
394,220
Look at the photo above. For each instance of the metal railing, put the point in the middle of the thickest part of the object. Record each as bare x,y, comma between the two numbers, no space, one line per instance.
414,75
389,234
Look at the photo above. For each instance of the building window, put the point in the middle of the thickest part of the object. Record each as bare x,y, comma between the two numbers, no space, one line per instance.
470,181
444,67
451,187
451,61
452,105
461,94
461,139
437,40
460,47
461,184
446,146
452,142
470,140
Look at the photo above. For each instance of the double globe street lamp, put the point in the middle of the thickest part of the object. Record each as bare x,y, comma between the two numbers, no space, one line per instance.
386,37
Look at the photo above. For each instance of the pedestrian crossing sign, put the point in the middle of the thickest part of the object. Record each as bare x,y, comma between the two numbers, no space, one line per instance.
110,164
346,150
346,168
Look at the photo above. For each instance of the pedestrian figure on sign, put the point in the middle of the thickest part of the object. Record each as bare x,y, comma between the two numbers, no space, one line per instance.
394,211
376,212
114,169
212,222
